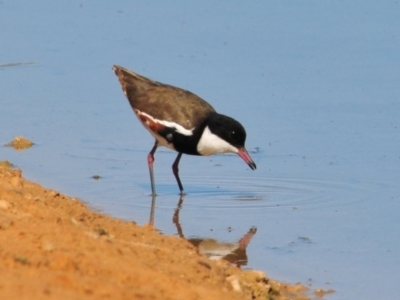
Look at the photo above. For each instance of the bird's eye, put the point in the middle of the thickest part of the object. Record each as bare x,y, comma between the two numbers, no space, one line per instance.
233,135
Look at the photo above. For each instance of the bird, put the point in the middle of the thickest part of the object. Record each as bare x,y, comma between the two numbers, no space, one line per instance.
180,121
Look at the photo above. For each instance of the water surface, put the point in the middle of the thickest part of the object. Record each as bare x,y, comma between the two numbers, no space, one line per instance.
315,84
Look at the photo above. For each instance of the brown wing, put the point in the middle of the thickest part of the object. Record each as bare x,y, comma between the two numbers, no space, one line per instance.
162,101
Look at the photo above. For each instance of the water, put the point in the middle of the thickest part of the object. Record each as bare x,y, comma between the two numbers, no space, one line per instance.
314,83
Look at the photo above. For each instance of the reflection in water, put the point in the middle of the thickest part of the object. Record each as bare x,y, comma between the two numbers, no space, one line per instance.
175,218
235,252
152,209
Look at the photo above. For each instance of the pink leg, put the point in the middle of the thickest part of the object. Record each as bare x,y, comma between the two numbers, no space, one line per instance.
150,162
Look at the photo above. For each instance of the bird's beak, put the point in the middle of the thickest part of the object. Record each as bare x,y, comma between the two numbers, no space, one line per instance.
246,157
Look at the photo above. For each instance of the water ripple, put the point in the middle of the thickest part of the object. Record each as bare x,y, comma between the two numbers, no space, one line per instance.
244,192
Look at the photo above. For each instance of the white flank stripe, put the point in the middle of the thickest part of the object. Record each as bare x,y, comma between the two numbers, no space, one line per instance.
179,128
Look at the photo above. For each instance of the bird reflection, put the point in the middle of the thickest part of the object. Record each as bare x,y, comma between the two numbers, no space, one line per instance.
234,253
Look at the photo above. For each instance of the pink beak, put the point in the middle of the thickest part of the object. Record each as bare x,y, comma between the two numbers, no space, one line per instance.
246,157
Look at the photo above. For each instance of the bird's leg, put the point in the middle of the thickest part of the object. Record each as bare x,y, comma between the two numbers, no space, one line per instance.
175,170
152,210
175,218
150,162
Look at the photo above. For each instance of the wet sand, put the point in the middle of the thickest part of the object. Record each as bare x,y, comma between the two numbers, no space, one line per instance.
53,246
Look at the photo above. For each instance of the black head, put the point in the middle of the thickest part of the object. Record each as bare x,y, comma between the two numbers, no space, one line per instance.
223,134
227,129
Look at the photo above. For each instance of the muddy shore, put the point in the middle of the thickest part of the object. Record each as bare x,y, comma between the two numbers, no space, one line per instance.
52,246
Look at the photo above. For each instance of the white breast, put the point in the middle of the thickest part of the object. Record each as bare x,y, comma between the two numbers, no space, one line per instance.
212,144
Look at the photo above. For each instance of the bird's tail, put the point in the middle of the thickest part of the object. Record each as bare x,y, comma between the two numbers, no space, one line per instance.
132,83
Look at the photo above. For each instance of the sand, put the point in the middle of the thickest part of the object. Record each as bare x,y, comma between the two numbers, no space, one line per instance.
53,247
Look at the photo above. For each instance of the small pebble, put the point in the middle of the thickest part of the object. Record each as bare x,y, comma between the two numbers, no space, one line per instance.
234,281
320,293
75,221
47,246
54,194
5,204
20,143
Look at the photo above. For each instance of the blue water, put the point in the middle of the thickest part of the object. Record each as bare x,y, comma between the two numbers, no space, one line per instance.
316,84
